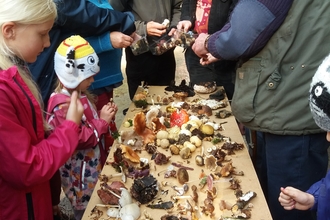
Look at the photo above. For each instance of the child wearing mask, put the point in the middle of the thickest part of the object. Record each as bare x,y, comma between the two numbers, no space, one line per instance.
75,64
318,195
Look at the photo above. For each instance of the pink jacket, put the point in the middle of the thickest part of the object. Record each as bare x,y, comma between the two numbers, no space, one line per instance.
80,173
27,159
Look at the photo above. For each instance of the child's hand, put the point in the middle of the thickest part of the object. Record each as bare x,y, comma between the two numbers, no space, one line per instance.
108,112
292,198
113,105
75,110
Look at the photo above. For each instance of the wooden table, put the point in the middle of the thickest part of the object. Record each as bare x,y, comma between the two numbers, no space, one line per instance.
241,161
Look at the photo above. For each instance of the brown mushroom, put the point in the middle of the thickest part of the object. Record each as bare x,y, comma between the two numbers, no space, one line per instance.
130,154
211,162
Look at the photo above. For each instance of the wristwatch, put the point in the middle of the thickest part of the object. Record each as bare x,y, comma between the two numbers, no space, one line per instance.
206,42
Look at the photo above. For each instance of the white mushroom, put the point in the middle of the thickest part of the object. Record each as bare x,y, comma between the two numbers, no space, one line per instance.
196,141
186,132
121,174
164,143
125,197
191,146
113,212
214,125
162,134
130,211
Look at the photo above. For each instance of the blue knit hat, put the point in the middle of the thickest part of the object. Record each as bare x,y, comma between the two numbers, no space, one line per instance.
319,98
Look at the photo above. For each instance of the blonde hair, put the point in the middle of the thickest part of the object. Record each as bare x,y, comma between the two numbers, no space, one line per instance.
24,12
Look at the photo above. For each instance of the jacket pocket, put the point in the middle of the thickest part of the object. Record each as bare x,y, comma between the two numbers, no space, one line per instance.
273,80
246,86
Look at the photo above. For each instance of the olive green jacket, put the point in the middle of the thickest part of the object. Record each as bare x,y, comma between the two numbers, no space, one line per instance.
272,88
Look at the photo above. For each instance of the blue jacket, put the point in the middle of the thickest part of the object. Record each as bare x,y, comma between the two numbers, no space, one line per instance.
243,40
75,17
321,192
110,58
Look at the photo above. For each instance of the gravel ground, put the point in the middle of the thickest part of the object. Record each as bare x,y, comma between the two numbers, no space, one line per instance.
121,98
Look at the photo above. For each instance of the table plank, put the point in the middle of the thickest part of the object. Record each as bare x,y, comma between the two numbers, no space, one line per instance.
241,162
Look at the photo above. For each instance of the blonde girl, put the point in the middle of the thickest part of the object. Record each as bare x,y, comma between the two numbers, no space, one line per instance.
27,159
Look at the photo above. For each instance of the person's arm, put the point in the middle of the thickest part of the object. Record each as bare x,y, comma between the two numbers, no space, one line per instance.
24,164
87,19
250,26
89,133
176,13
185,10
119,5
315,190
293,198
101,43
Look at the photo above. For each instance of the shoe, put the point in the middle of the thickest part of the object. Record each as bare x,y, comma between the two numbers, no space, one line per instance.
125,111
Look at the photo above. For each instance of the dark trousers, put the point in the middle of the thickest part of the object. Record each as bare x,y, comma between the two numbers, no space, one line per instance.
288,160
222,72
152,69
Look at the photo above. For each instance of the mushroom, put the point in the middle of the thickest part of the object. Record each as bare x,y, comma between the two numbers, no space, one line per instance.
185,153
180,95
191,146
163,143
199,160
211,162
181,190
181,197
206,110
130,154
121,174
162,134
196,141
206,129
130,212
125,197
182,175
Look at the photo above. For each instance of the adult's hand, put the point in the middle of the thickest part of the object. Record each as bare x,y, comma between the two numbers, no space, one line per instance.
120,40
185,25
199,46
207,59
75,110
155,29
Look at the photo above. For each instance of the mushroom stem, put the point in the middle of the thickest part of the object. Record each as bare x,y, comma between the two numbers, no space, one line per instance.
107,206
181,197
162,171
122,174
111,192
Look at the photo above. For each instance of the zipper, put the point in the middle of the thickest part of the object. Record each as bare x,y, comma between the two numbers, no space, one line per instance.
82,175
29,203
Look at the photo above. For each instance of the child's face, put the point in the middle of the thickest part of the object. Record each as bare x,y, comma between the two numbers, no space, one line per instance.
83,86
29,41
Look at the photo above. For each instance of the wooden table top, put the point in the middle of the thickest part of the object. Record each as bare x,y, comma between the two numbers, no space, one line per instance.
240,160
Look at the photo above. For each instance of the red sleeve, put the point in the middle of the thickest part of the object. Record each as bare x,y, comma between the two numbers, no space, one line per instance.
89,133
